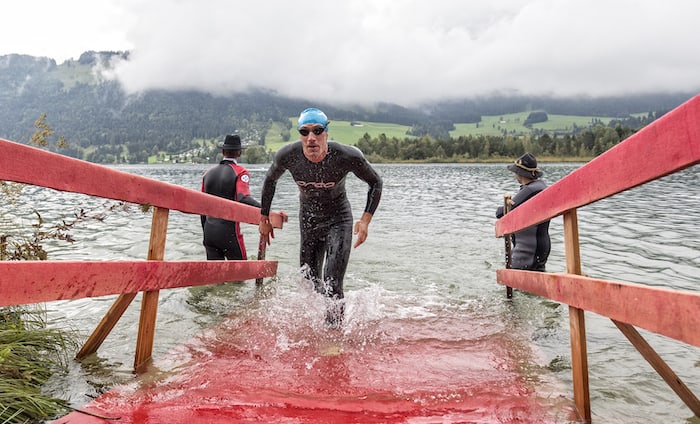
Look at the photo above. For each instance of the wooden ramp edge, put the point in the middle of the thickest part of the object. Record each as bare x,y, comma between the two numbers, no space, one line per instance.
24,282
669,312
18,164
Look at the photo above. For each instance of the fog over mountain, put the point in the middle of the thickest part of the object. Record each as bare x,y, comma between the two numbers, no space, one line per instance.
367,51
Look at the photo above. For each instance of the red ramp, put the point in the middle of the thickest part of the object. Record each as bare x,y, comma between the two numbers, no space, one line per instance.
248,372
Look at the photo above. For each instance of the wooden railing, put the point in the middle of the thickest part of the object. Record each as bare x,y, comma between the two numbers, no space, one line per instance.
671,143
24,282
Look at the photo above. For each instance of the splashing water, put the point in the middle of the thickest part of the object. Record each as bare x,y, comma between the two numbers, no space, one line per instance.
275,360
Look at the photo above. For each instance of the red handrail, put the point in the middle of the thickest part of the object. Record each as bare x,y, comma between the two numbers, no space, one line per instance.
41,281
668,145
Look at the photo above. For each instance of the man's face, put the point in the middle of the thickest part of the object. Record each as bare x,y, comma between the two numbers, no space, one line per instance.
315,146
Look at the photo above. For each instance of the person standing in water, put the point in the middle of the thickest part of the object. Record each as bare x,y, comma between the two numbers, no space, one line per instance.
223,238
531,246
319,168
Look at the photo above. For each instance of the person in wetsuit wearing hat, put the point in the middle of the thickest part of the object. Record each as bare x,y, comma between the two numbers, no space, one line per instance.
531,246
222,238
319,168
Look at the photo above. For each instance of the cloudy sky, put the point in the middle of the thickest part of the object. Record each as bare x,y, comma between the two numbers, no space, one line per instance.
402,51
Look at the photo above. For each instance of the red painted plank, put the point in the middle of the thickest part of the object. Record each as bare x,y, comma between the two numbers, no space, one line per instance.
672,313
669,144
23,282
17,163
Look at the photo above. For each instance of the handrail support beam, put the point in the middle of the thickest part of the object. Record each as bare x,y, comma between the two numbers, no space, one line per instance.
149,301
577,322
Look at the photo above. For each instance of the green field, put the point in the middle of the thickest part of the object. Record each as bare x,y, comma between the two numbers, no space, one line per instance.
338,130
72,73
513,124
490,125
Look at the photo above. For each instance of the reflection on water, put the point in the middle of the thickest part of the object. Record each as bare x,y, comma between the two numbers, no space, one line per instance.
430,259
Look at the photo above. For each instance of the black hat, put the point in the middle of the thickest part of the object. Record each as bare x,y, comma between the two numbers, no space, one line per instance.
232,142
526,166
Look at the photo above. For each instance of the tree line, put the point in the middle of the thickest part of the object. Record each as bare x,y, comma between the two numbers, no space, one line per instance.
583,145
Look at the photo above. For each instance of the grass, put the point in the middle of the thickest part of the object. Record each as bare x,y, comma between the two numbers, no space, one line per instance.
30,353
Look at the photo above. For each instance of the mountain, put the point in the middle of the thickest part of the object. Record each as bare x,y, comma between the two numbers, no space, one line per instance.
100,121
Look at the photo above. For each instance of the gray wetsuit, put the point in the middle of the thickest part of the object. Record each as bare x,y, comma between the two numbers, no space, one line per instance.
531,246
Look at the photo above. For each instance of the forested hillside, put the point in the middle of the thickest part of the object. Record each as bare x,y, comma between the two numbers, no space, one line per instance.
102,124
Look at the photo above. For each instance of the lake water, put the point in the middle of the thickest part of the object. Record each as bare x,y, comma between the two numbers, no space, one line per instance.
429,265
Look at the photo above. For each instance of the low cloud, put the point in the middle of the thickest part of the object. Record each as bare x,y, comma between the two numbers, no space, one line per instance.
366,51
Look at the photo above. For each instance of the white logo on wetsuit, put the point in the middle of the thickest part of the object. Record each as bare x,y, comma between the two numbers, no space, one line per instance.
315,184
245,178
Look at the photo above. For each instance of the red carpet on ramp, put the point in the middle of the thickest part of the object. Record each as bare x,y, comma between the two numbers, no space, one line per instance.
249,373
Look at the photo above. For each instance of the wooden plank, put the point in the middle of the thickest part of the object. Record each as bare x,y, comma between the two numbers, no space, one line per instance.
579,363
672,313
17,163
159,234
508,243
667,145
661,367
577,322
147,330
23,282
262,244
149,302
572,246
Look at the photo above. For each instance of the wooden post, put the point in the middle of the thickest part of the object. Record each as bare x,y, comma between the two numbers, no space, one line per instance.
3,247
149,302
577,323
508,239
261,256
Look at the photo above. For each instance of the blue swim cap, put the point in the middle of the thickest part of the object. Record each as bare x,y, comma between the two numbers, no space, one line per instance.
312,116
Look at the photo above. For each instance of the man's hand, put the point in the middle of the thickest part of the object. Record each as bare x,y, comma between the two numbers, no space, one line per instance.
265,229
361,228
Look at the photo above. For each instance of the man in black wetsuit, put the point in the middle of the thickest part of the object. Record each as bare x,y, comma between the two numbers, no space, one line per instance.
319,168
222,238
531,246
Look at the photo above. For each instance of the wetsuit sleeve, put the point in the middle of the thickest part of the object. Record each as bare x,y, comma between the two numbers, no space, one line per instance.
270,184
364,171
248,200
374,195
526,192
523,195
243,188
499,212
203,218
